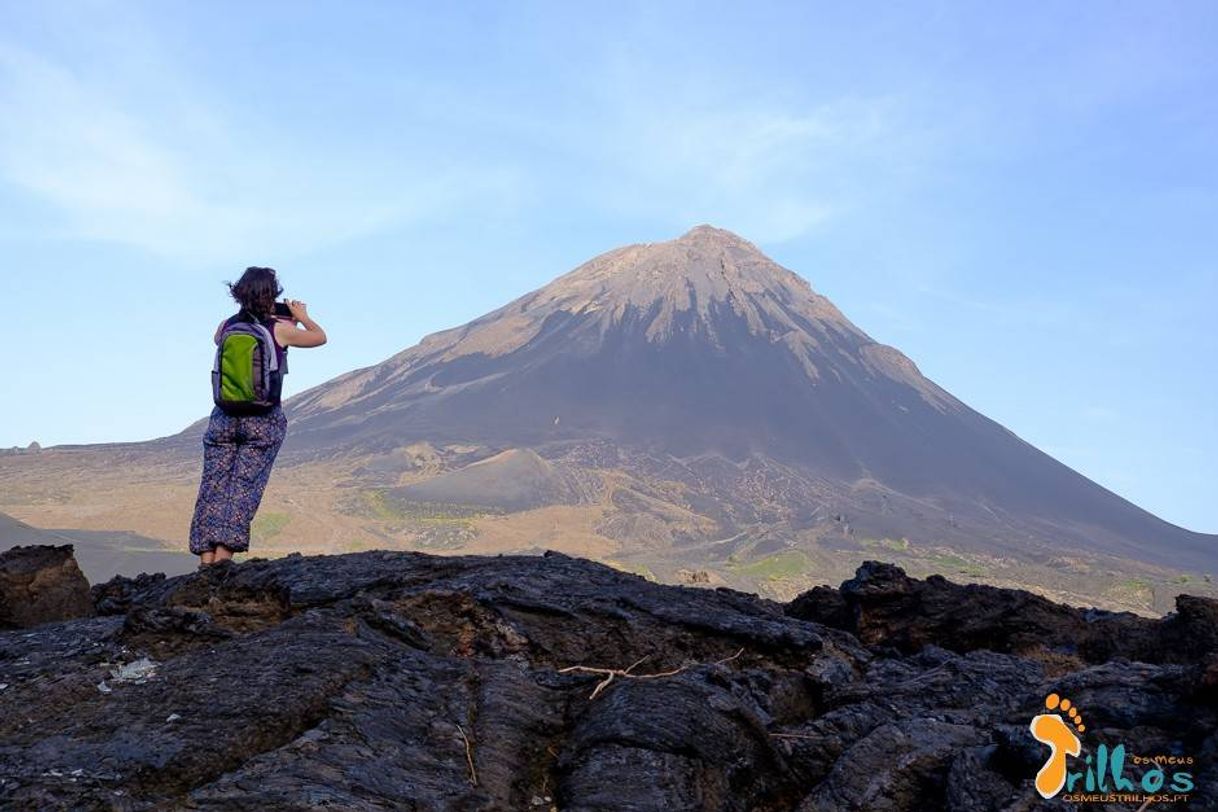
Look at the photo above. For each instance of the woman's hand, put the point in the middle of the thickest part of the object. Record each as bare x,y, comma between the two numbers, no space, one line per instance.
300,311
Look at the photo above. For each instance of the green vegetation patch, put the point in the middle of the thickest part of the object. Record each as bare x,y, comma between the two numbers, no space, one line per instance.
268,525
951,564
1136,589
385,505
785,564
948,562
900,545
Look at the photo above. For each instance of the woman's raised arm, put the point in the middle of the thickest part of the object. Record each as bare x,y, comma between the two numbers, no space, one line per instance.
311,336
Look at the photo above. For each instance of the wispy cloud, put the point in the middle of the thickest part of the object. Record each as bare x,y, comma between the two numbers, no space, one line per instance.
162,171
772,167
655,141
163,161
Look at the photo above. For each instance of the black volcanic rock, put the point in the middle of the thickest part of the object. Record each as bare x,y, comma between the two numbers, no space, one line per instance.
41,584
883,606
390,680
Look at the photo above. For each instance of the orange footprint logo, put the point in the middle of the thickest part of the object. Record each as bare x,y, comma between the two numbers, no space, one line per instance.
1054,730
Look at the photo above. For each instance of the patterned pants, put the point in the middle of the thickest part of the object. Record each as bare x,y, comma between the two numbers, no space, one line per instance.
238,453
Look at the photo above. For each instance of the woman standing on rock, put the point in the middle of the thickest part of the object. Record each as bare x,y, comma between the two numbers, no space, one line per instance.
242,439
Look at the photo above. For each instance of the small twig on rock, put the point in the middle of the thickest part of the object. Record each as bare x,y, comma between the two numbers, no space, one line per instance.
610,673
469,756
739,651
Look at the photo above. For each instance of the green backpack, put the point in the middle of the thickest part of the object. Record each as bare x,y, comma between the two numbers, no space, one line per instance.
247,377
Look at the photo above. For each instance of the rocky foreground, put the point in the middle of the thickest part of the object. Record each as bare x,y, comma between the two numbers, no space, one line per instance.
397,680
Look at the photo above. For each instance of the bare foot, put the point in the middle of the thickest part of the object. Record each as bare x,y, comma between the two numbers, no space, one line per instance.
223,554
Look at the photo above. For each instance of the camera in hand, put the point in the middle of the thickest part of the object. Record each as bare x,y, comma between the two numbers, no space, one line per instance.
282,309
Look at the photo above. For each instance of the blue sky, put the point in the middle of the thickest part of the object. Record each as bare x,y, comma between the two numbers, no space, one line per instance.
1024,203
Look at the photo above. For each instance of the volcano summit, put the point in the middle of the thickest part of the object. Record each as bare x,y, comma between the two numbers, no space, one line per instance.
702,344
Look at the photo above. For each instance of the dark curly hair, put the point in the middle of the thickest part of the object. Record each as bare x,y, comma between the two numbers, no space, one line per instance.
256,291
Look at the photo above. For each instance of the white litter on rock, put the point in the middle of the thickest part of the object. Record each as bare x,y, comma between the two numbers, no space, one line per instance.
103,687
173,717
138,671
3,685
